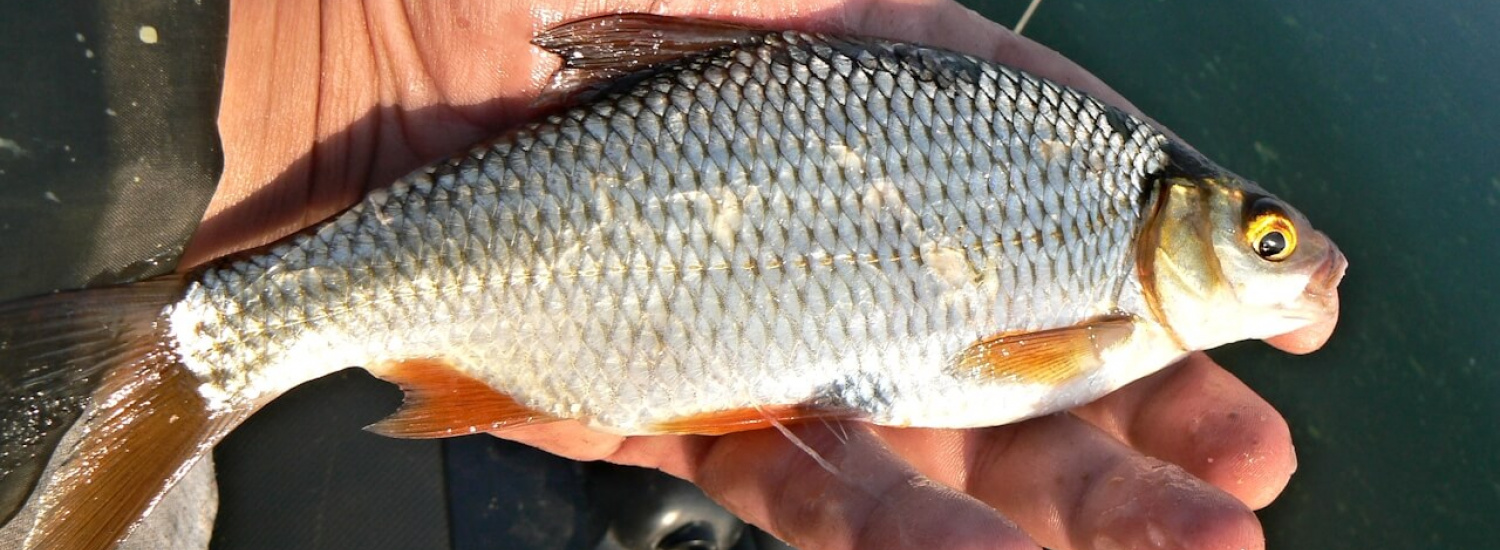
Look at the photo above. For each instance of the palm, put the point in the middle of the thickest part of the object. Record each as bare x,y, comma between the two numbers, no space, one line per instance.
326,105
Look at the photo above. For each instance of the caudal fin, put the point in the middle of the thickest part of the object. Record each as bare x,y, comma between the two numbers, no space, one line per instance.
100,359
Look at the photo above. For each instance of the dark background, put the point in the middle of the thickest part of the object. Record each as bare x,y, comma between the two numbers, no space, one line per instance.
1378,121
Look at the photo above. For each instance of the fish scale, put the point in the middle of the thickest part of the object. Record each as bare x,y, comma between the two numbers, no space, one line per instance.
763,224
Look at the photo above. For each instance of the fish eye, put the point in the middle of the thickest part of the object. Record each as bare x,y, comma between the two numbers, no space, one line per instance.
1269,230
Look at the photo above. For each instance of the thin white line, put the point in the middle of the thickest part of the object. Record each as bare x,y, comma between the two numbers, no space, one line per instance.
1025,17
800,444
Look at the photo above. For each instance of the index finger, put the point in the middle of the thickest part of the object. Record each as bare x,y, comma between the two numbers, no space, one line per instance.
1200,417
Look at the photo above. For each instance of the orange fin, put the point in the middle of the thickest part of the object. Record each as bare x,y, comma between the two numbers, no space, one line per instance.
152,427
749,418
598,51
443,402
99,356
53,352
1052,356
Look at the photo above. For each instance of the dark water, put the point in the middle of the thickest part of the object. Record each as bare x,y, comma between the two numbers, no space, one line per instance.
1381,123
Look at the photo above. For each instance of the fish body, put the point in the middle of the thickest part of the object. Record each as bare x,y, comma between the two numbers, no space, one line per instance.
797,219
727,227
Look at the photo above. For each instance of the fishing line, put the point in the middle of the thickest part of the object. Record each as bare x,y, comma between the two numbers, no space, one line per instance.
842,433
881,498
801,444
1025,17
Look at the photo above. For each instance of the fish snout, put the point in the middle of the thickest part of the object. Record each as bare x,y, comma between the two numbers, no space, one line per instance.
1320,302
1325,279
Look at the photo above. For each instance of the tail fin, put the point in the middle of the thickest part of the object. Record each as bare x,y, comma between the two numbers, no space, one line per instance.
101,355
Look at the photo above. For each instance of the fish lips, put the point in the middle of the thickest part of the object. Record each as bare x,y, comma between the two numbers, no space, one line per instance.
1322,301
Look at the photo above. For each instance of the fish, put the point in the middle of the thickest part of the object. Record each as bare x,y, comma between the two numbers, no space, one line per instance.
717,228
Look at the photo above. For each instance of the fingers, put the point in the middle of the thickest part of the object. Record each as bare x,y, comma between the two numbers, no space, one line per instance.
566,438
1309,338
1072,486
1200,417
1067,483
874,500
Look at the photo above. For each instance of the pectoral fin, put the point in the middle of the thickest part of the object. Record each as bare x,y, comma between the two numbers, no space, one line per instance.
1051,357
443,402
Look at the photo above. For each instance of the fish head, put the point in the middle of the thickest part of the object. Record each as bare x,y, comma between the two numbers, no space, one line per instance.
1222,260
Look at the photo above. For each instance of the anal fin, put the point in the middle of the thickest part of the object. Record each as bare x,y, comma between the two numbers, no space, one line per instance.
748,418
443,402
1052,356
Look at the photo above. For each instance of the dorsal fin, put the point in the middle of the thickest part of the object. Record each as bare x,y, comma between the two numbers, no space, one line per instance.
600,51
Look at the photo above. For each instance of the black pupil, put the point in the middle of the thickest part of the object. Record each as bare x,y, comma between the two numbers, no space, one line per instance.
1271,244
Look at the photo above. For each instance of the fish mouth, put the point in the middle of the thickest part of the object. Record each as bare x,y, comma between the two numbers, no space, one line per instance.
1320,307
1324,282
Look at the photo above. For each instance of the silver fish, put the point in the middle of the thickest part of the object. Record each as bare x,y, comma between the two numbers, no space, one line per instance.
727,227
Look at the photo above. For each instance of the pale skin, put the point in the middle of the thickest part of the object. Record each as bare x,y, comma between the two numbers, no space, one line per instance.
322,102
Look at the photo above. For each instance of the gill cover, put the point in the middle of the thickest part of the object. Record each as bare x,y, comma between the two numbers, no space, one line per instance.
1222,260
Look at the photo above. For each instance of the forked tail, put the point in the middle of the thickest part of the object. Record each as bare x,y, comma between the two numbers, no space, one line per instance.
100,356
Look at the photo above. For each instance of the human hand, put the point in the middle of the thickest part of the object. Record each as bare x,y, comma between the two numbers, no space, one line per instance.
324,101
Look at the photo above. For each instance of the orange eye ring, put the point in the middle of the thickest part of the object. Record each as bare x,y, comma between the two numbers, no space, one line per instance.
1270,232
